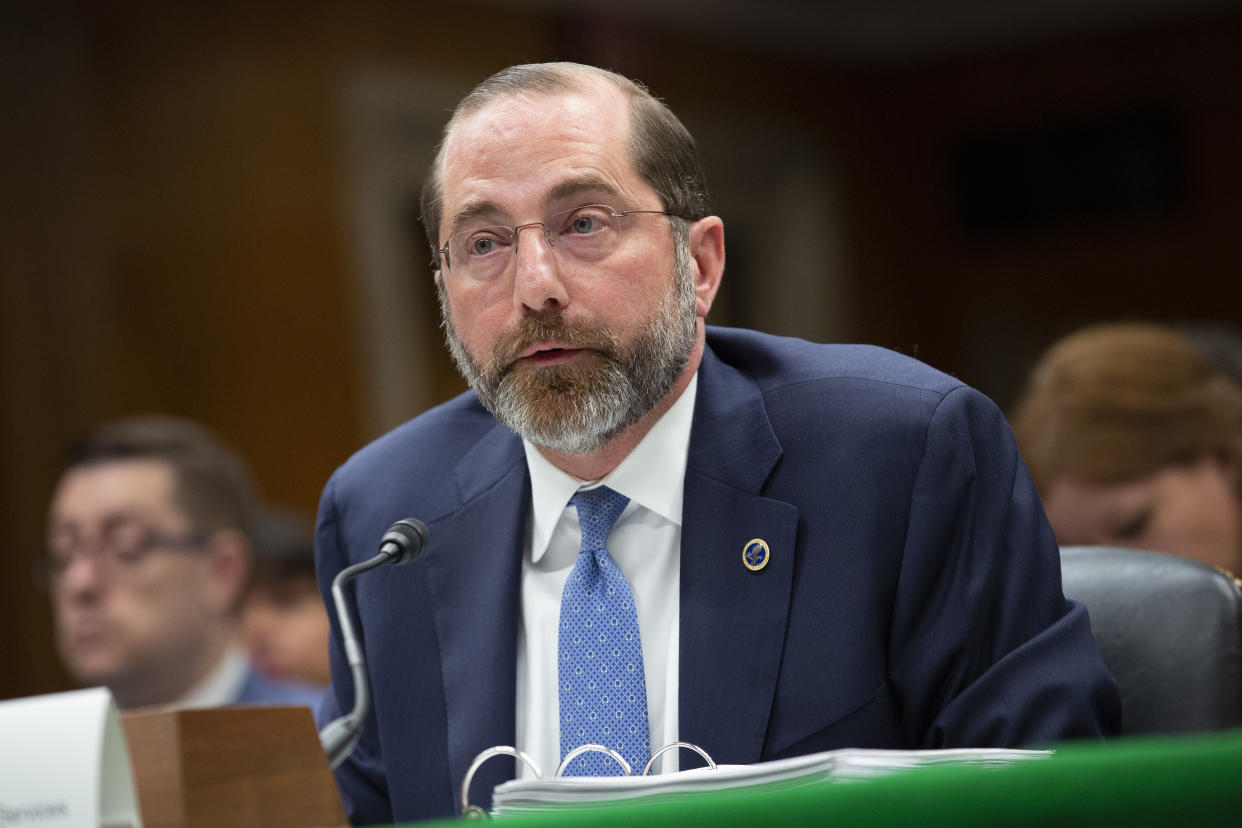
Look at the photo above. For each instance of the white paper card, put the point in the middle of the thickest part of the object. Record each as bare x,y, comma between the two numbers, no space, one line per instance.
64,763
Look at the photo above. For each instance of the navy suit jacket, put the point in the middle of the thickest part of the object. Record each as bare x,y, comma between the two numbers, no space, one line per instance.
912,599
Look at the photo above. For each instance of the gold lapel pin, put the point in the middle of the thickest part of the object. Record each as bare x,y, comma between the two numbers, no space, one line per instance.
755,554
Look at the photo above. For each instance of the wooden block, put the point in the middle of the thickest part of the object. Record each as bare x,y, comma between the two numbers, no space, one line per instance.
235,766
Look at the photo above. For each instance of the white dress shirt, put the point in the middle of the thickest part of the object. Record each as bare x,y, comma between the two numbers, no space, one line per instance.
645,542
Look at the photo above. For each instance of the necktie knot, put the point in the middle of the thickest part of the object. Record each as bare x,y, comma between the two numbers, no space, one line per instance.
598,509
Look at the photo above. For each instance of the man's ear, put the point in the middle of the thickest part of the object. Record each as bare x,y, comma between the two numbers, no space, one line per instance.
707,257
229,558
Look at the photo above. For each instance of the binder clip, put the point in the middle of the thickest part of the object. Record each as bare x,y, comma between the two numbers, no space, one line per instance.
469,811
581,749
671,746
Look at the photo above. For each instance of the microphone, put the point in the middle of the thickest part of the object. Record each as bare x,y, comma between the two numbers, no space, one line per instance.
401,544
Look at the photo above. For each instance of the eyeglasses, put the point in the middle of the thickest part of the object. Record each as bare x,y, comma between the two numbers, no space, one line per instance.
120,548
588,234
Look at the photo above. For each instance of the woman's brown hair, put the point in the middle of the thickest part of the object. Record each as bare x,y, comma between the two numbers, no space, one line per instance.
1120,401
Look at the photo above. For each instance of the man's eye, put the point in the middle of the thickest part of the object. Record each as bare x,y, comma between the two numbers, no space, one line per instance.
129,553
127,541
1135,526
59,556
587,220
482,245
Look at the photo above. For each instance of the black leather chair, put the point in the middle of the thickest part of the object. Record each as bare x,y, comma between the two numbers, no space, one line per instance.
1170,631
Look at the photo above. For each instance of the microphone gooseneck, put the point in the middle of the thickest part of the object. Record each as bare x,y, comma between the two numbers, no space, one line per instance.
401,544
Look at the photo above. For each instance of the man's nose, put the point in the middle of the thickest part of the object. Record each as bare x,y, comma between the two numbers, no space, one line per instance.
81,575
538,283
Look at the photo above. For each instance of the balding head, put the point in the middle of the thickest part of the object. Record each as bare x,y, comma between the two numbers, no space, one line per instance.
661,149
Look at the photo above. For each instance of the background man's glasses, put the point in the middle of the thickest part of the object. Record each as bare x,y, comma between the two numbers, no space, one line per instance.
588,233
117,552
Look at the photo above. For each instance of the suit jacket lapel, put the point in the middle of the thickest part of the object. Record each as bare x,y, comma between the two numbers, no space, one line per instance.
475,581
732,619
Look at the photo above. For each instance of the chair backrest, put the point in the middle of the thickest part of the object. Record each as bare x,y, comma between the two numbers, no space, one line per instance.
1170,632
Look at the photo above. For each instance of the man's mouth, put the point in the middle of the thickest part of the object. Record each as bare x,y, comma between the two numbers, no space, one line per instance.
87,633
547,353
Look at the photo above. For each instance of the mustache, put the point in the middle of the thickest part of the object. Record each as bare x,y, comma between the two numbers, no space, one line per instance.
546,327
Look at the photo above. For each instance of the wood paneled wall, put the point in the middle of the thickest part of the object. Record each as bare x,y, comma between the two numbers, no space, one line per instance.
176,234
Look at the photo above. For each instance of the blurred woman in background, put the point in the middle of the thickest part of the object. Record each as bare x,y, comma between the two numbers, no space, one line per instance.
1134,439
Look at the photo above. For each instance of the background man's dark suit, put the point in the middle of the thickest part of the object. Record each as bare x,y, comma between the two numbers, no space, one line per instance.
912,599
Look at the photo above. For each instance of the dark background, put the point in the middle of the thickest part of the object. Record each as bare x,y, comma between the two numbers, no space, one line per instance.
207,208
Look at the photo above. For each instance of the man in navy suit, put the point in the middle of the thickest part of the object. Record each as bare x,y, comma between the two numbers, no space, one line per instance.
826,546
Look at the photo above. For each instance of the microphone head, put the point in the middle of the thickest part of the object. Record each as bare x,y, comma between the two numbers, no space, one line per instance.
404,541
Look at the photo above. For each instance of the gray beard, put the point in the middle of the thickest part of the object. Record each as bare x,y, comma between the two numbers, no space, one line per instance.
577,408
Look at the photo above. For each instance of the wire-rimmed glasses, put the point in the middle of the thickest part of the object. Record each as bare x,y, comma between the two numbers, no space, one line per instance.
588,233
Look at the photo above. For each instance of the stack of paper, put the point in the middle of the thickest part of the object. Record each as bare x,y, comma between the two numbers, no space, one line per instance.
849,764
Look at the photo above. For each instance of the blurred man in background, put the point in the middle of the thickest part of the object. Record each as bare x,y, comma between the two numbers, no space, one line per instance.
148,554
284,623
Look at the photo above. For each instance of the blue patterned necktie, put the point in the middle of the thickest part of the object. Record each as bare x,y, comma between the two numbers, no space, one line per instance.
600,659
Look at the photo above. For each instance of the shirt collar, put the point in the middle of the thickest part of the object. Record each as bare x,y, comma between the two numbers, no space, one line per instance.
222,685
652,475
